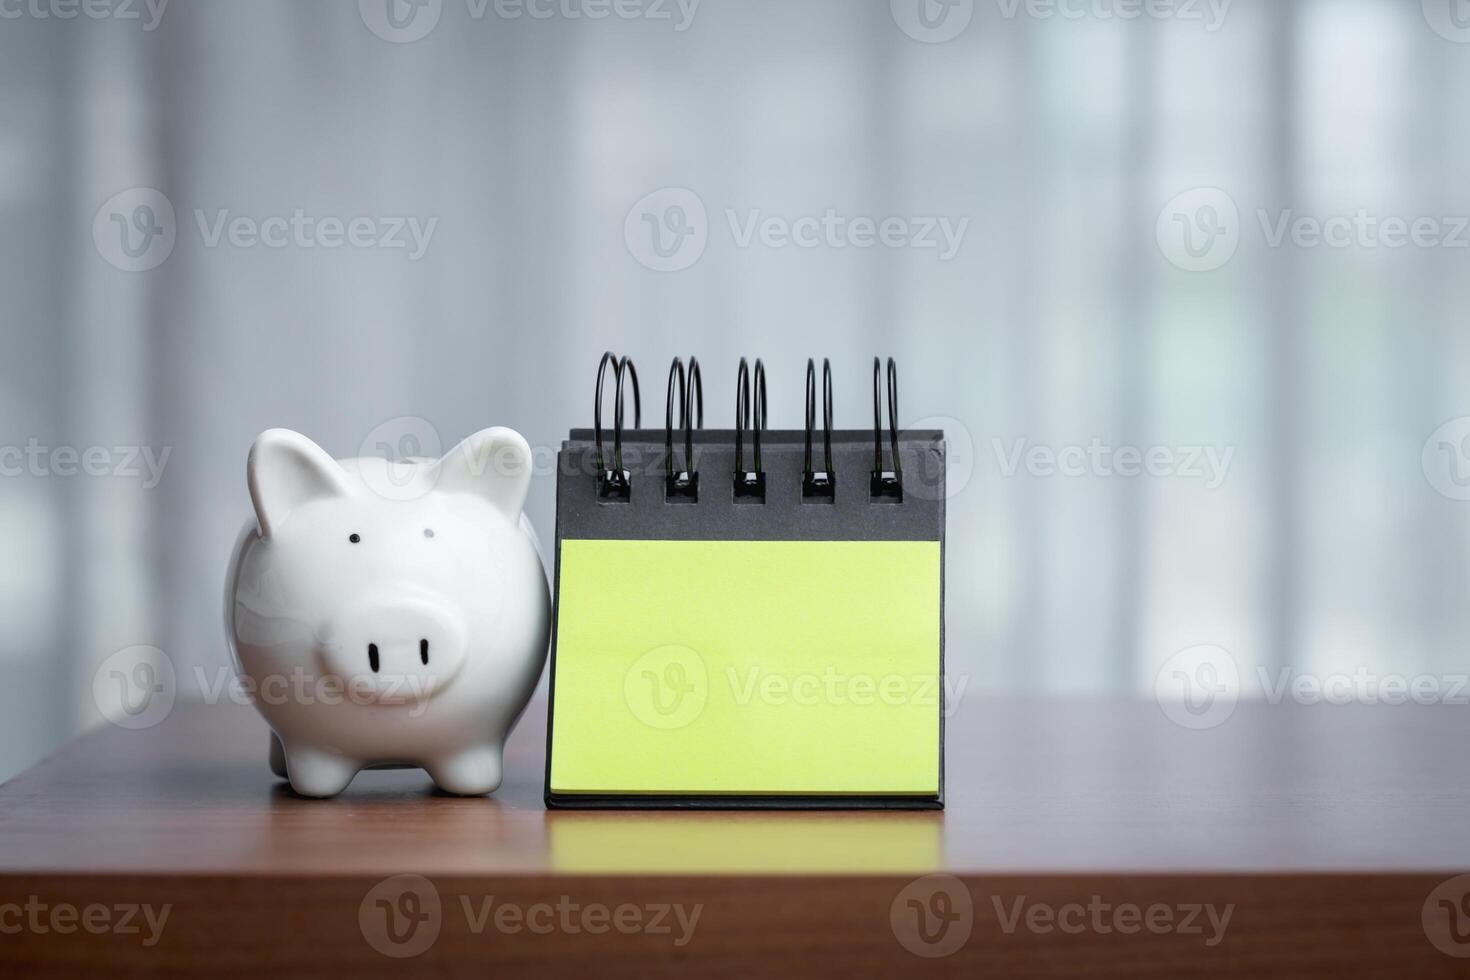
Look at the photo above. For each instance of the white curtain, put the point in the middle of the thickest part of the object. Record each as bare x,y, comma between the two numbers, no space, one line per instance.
1318,372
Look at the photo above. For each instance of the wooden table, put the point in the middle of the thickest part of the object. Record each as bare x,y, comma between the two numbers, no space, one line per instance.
1080,837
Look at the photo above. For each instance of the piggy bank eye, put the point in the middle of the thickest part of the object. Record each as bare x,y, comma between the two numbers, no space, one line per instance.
354,537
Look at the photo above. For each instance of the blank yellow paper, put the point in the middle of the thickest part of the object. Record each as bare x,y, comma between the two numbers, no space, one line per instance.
747,667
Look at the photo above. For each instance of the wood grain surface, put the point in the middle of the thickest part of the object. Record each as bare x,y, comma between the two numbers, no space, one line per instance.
1079,838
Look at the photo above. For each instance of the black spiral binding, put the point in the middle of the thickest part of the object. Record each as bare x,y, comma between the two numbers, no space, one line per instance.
750,485
681,484
615,485
886,484
681,480
819,486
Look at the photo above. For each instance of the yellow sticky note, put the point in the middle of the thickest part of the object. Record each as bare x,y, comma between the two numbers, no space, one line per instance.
747,668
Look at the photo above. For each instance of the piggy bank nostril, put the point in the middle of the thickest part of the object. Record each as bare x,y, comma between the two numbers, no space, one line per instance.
373,656
424,652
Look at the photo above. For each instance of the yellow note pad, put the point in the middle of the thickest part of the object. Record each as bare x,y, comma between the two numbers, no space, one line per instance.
747,667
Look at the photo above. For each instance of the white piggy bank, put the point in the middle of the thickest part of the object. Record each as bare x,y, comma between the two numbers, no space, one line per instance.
388,613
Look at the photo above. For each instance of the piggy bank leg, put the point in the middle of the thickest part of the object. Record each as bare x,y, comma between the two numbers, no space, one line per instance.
278,756
471,772
314,773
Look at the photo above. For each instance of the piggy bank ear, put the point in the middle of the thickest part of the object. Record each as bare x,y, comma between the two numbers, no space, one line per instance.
494,464
286,470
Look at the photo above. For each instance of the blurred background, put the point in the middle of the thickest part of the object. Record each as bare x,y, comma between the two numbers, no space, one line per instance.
1178,415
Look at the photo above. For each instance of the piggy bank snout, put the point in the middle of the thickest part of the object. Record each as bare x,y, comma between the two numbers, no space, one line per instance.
395,650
